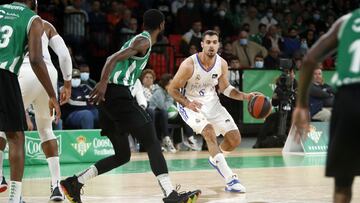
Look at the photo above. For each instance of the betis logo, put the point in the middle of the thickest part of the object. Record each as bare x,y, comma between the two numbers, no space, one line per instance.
33,146
314,135
81,146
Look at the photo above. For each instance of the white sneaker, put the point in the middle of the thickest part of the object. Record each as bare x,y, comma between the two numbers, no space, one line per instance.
192,143
234,185
169,145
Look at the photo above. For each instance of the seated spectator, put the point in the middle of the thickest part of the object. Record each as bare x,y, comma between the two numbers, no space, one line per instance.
192,49
291,43
227,51
193,36
321,97
85,76
272,38
234,75
259,61
246,50
78,113
252,20
269,20
147,79
272,60
258,37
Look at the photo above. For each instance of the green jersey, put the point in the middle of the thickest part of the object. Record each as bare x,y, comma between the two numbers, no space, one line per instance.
348,61
15,22
126,72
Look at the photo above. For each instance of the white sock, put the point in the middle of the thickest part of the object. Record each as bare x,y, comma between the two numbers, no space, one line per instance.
165,184
89,173
54,168
224,169
1,162
14,192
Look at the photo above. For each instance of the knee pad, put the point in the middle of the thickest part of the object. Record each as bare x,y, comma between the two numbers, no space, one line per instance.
46,135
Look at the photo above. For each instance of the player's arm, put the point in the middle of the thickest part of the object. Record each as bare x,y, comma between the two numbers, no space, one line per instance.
227,89
57,44
38,65
139,46
181,77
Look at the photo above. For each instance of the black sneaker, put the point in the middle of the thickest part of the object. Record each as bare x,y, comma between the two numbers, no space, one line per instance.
3,185
185,197
71,188
56,194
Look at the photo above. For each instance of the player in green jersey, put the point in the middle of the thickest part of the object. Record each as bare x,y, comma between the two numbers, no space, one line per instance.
343,160
19,27
119,114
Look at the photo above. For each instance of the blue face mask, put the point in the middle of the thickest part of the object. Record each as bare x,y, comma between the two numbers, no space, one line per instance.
243,42
84,76
75,82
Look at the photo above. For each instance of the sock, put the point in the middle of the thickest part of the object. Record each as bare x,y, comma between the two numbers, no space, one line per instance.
89,173
1,162
54,168
165,184
224,169
14,192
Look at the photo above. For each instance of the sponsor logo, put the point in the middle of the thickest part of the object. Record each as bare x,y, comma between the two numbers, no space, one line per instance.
2,13
197,120
198,77
33,147
314,135
227,120
81,146
214,76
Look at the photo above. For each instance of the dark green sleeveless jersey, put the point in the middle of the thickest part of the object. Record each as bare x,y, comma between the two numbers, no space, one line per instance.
128,71
348,61
15,22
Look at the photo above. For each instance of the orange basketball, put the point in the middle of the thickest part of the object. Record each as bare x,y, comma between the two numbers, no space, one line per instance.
259,106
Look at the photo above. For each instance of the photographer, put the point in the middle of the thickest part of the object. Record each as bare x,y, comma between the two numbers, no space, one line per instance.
276,126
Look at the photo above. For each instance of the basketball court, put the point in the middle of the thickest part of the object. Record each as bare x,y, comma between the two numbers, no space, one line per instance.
268,176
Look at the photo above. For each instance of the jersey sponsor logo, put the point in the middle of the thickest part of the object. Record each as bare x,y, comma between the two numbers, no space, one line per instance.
2,13
34,150
81,146
12,7
198,77
214,75
227,120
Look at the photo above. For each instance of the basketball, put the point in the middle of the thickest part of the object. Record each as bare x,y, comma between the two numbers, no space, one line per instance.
259,106
172,112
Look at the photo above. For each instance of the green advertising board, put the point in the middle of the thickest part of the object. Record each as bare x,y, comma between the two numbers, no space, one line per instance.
264,81
75,146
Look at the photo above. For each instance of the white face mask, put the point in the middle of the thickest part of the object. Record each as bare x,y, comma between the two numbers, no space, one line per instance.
222,13
259,64
243,42
84,76
75,82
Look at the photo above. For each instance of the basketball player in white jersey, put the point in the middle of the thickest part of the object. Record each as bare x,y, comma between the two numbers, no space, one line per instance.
200,108
33,93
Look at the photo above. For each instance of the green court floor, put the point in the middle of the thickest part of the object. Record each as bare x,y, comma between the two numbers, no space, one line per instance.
41,171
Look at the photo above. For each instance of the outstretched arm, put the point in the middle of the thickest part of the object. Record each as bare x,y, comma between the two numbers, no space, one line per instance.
139,46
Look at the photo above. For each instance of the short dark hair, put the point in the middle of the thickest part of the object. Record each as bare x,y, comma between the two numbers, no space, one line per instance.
165,79
152,19
210,33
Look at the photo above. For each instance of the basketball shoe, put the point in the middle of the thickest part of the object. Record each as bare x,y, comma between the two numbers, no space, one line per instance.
71,188
183,197
56,194
3,185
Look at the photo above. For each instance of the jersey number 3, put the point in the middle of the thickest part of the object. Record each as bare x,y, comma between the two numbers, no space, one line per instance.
5,35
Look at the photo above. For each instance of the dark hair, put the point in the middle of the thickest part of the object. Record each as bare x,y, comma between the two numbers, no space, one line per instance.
6,2
165,79
210,33
152,19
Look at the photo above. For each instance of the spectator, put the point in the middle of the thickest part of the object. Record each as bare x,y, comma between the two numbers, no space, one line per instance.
85,76
252,20
192,49
78,113
147,79
186,16
272,38
114,16
234,75
227,51
207,13
258,37
193,36
247,50
272,60
259,61
176,5
224,23
321,97
269,20
291,43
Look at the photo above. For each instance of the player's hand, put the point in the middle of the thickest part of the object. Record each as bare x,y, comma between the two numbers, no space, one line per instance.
65,92
250,95
301,122
194,105
98,94
54,105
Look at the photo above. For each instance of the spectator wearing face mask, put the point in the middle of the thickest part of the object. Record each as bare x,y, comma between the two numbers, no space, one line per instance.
78,113
246,50
85,76
259,61
269,20
186,15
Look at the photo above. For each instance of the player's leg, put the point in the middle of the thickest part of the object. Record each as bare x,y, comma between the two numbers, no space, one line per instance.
232,137
3,183
343,189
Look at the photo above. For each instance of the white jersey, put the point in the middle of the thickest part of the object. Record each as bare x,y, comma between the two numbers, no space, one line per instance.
45,52
201,85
